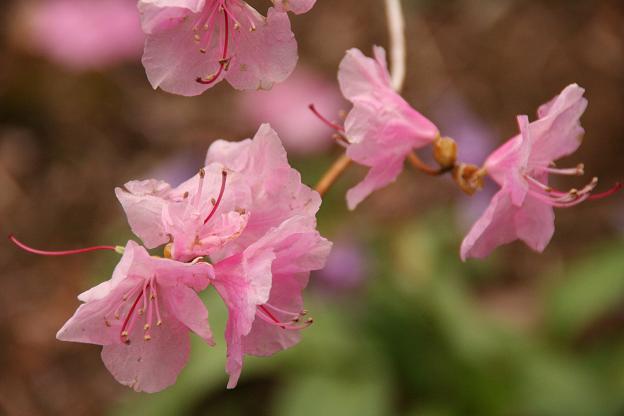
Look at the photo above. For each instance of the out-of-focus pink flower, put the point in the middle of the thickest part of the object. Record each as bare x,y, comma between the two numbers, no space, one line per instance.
249,212
142,317
194,44
523,207
382,128
86,34
285,107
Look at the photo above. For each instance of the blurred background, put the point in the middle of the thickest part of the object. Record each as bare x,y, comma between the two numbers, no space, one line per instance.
401,326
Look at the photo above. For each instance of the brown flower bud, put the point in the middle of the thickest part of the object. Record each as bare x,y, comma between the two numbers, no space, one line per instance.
469,177
445,152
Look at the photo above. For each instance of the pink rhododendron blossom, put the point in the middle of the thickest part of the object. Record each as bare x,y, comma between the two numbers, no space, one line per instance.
295,6
250,214
142,317
198,216
523,207
382,128
286,108
86,34
194,44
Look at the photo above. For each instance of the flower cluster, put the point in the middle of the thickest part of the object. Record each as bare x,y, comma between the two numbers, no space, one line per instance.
192,45
246,225
382,130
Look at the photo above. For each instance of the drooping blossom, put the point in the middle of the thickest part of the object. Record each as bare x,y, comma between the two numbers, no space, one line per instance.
142,317
194,44
85,34
382,128
256,222
523,207
285,107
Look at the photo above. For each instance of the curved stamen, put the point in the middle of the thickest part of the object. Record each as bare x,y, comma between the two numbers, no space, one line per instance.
264,314
614,189
334,126
24,247
219,198
225,61
577,171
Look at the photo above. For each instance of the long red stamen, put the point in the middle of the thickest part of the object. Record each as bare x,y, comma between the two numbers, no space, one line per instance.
57,253
224,62
334,126
219,198
269,314
616,188
124,328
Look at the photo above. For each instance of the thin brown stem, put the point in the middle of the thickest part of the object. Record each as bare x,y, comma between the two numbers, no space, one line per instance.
332,174
418,164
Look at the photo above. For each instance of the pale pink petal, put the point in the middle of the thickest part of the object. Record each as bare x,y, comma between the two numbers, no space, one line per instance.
158,14
264,56
244,282
535,223
504,222
360,75
494,228
94,322
143,203
558,132
153,365
378,177
276,188
119,275
173,60
298,249
295,6
186,306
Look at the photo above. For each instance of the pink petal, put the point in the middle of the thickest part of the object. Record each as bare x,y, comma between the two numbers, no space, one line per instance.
143,202
119,275
265,56
504,222
558,132
186,306
93,322
244,282
154,365
360,75
159,14
378,177
295,6
494,228
173,60
276,188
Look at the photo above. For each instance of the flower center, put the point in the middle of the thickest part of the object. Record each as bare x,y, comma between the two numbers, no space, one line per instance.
145,304
208,24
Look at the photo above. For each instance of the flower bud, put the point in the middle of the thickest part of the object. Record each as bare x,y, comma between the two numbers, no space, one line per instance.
445,152
469,177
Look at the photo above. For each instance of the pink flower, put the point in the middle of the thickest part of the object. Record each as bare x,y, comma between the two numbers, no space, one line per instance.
286,108
83,34
198,216
382,128
194,44
523,207
257,223
142,316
